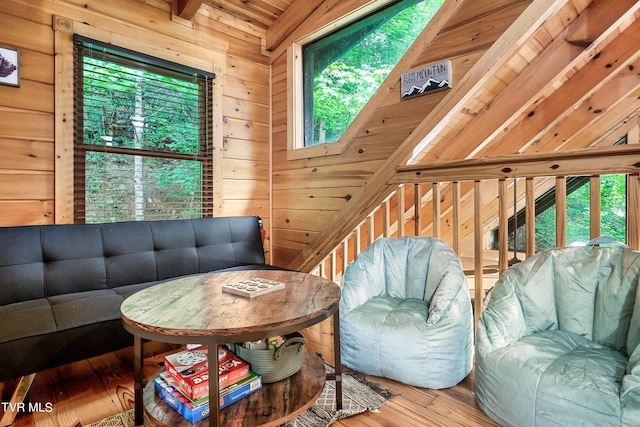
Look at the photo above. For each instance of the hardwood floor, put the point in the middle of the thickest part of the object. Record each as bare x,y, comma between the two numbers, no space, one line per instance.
87,391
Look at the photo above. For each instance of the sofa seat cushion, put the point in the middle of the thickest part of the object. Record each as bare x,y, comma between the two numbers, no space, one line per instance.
81,308
561,377
25,319
59,313
128,290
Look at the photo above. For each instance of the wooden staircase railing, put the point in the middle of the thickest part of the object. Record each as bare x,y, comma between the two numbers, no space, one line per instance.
435,201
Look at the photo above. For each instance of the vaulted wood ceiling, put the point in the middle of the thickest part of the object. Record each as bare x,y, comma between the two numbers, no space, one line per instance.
566,84
564,76
262,13
557,70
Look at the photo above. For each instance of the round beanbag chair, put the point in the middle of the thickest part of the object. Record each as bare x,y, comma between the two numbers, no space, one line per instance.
405,313
558,341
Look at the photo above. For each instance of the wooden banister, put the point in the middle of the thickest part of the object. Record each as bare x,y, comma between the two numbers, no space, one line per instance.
462,212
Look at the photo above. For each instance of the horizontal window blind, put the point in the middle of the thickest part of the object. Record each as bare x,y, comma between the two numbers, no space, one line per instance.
142,130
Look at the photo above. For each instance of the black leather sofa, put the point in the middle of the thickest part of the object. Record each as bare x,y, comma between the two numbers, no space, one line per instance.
61,286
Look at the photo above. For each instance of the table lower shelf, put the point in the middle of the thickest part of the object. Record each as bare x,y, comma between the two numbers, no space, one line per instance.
273,405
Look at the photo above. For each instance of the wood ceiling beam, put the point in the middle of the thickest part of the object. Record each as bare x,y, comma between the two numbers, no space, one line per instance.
585,30
246,12
290,19
608,62
533,85
600,105
326,17
187,9
611,127
597,116
377,187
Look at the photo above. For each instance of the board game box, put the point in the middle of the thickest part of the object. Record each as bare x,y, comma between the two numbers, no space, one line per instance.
253,287
194,411
190,370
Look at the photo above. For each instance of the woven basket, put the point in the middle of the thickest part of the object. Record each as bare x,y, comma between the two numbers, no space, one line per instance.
275,365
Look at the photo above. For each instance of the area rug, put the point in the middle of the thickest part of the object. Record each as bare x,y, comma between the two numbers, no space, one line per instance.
358,396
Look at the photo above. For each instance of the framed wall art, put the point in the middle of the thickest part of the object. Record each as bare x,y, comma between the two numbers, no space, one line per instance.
9,66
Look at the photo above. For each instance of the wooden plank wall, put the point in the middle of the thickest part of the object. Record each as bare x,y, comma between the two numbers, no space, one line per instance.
309,190
232,48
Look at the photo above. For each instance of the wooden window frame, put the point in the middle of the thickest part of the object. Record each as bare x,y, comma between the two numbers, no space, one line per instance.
149,44
295,114
296,149
90,48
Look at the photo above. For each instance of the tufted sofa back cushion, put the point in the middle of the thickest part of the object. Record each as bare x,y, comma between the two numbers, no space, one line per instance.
72,258
224,244
21,265
129,252
48,260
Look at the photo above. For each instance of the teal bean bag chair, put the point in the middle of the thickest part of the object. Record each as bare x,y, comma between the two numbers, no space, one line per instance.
405,313
557,342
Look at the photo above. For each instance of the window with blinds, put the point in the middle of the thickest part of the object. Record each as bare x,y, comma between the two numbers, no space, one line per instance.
143,130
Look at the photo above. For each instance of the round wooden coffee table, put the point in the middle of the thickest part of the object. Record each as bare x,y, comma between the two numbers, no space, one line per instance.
196,310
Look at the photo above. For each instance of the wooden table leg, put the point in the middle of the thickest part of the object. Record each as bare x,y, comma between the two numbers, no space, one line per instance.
138,380
336,358
214,385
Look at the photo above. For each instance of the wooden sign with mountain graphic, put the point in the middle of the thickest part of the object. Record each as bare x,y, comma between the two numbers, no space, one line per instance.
428,79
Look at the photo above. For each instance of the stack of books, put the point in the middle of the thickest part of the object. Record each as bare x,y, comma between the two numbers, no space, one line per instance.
184,385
